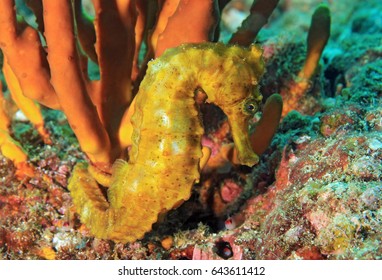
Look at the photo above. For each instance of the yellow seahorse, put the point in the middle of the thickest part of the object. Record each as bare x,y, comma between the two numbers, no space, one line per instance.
166,139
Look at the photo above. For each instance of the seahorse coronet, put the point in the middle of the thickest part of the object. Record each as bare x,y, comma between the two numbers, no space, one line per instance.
166,139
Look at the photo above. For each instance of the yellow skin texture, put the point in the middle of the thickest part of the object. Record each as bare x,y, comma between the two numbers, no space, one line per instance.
166,138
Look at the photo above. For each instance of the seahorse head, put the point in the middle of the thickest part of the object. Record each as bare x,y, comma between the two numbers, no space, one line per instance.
228,74
234,88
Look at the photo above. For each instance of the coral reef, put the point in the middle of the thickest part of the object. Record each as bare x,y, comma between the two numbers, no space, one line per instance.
316,192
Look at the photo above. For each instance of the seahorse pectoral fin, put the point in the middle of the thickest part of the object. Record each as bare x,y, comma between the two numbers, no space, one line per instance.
240,134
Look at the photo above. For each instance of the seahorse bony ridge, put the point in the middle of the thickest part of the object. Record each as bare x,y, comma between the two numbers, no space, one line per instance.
164,158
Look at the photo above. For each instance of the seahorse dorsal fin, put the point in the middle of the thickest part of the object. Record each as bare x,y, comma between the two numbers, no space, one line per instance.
119,169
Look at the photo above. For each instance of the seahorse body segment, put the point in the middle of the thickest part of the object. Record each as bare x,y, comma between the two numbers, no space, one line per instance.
166,141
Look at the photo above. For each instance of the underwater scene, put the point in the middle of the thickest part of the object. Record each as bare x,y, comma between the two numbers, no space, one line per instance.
191,130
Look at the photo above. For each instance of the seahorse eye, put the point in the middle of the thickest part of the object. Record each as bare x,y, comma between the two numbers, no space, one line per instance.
250,107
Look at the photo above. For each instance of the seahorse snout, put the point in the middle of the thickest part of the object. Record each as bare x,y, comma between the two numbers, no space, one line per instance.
240,134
